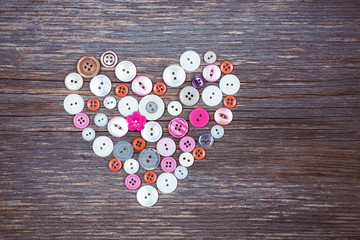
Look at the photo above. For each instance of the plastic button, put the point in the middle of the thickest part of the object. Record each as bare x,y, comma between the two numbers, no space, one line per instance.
166,183
100,85
174,108
149,159
152,107
211,73
88,134
147,196
198,82
100,120
199,153
117,126
103,146
150,177
128,105
223,116
229,84
74,81
141,85
178,127
123,150
159,88
174,75
121,90
166,147
217,131
109,59
93,104
189,96
181,172
139,143
152,131
226,67
109,102
210,57
211,95
125,71
114,165
186,159
229,101
168,164
131,166
190,61
81,120
88,66
73,104
132,182
206,140
187,144
199,117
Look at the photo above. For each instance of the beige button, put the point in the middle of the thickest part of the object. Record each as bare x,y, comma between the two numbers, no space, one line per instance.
88,66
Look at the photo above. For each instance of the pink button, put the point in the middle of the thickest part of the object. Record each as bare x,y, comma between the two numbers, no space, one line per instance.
166,147
168,164
132,181
81,120
187,144
178,127
223,116
199,117
211,73
141,85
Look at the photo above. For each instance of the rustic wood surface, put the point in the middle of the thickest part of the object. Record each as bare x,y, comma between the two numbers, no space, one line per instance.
288,166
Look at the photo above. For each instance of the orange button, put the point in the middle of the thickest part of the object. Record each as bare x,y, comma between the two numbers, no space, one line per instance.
114,165
139,144
121,90
226,67
199,153
150,177
159,88
93,104
88,66
230,101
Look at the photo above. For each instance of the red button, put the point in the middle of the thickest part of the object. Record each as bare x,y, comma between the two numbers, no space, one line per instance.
230,101
139,144
121,90
150,177
199,153
159,88
226,67
93,104
114,165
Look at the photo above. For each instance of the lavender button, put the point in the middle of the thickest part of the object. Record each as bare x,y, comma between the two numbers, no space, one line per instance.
211,73
198,82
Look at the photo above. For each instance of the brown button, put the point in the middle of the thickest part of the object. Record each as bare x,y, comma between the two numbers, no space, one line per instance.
88,66
230,101
159,88
121,90
93,104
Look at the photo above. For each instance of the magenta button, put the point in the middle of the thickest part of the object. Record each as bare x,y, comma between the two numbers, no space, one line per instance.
81,120
211,73
141,85
166,147
187,144
178,127
199,117
168,164
132,181
223,116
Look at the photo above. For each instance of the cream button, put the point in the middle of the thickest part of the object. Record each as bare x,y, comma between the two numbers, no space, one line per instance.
100,85
74,81
117,126
166,183
174,108
152,132
147,196
103,146
210,57
125,71
190,61
211,95
73,104
229,84
128,105
174,75
110,102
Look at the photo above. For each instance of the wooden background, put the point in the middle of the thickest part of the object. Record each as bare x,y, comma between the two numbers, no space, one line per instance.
288,166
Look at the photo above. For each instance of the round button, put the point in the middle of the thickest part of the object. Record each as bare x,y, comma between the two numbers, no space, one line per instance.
152,131
186,159
211,95
141,85
128,105
166,183
81,120
174,75
217,131
103,146
190,61
226,67
125,71
199,153
152,107
199,117
150,177
147,196
88,66
109,59
168,164
211,73
198,82
117,126
131,166
178,127
100,120
174,108
229,101
189,96
121,90
166,147
139,143
88,134
114,165
159,88
149,159
210,57
100,85
206,140
223,116
73,104
132,182
123,150
109,102
229,84
93,104
73,81
181,172
187,144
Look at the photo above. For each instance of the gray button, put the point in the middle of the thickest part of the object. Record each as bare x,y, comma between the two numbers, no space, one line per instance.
151,107
123,150
181,172
206,140
149,159
189,96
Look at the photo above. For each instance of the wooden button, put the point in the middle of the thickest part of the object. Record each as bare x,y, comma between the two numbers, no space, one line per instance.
114,165
139,144
121,90
93,104
159,88
226,67
199,153
88,66
150,177
230,101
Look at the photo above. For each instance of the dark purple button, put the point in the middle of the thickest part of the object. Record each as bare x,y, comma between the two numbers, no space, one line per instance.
198,82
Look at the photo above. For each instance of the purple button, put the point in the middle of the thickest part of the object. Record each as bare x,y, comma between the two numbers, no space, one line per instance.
81,120
198,82
211,73
141,85
132,181
187,144
168,164
199,117
166,147
178,127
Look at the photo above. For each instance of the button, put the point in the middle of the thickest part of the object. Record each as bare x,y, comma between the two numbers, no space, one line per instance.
100,120
73,104
217,131
100,85
210,57
125,71
109,59
229,84
121,90
141,85
166,183
229,101
159,88
223,116
114,165
118,127
152,107
109,102
174,75
93,104
198,82
150,177
132,182
211,95
88,134
131,166
136,121
174,108
178,127
166,147
147,196
123,150
74,81
199,117
103,146
81,120
199,153
226,67
168,164
189,96
211,73
128,105
187,144
186,159
190,61
88,66
139,143
152,131
181,172
206,140
149,159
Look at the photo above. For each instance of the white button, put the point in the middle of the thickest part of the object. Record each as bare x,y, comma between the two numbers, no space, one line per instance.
74,81
147,196
118,126
128,105
166,182
141,85
229,84
100,120
73,104
210,57
88,134
190,61
152,132
100,85
125,71
174,108
211,95
152,107
109,59
103,146
174,75
189,96
186,159
110,102
131,166
181,172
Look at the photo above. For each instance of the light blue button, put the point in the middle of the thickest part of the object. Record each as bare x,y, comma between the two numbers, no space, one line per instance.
100,120
149,159
88,134
181,172
206,140
217,131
